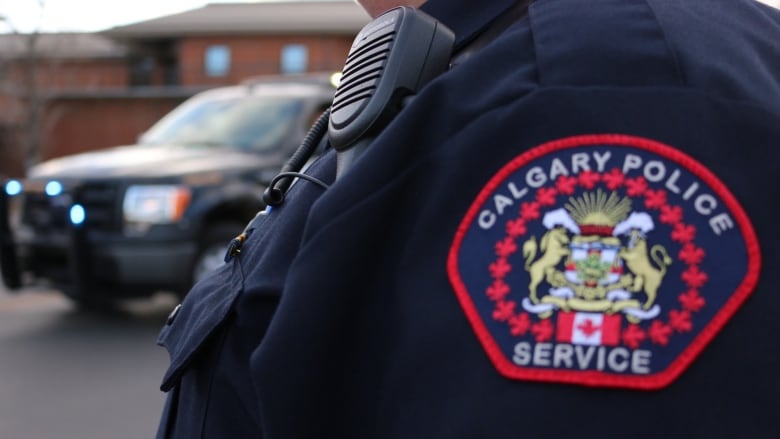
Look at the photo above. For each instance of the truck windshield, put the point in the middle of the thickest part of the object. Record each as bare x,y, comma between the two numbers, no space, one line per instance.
247,123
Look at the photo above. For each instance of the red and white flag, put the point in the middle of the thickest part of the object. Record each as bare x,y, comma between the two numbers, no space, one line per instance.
587,328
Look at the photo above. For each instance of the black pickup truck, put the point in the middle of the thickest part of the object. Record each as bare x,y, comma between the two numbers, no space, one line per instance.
133,220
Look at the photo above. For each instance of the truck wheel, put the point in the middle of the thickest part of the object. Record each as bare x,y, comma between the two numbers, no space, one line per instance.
213,245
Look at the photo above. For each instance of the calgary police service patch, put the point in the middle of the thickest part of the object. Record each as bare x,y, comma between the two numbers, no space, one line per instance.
602,260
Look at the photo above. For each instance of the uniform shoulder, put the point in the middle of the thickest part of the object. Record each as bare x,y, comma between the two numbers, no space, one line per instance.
723,47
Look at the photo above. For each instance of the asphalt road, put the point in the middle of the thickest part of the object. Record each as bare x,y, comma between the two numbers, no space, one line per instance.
67,374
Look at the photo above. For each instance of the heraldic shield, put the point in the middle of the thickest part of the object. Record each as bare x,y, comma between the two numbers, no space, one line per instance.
598,260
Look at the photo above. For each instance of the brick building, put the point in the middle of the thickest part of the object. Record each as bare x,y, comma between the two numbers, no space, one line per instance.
66,93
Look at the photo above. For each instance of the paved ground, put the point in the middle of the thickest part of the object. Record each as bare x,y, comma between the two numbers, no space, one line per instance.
69,374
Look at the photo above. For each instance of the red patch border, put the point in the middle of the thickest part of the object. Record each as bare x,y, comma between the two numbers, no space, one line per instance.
596,378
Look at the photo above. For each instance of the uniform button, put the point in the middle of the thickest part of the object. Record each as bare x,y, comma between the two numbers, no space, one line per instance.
173,315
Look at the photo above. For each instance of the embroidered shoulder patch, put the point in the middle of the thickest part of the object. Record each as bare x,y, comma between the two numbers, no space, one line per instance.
604,260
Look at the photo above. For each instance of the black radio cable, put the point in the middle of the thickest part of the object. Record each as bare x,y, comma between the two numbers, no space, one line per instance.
274,194
277,188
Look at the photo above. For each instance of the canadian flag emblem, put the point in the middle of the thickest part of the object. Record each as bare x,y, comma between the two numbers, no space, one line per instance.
585,328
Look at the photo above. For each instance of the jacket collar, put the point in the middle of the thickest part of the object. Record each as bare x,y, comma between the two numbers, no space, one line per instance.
467,18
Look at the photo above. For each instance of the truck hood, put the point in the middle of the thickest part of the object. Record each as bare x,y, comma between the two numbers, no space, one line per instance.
150,161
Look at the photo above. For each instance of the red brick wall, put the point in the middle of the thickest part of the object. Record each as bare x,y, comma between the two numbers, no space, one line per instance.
258,55
74,74
77,125
11,157
85,74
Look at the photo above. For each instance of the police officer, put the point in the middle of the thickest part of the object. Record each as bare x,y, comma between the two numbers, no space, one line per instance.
570,233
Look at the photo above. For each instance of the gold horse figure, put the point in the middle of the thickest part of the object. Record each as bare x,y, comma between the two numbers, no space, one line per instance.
555,246
646,276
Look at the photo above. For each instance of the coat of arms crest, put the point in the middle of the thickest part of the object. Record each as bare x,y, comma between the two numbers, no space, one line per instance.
595,257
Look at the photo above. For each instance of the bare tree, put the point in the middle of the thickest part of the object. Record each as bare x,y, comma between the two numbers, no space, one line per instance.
22,97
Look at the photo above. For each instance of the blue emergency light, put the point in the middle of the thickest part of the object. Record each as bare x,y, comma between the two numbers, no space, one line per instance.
53,188
77,214
13,187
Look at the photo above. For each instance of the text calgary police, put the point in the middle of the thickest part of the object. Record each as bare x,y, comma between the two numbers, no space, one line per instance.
673,178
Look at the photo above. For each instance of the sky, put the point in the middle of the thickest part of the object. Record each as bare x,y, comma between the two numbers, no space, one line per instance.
88,15
95,15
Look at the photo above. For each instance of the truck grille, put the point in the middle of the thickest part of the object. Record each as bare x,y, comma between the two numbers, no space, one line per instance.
52,214
101,203
44,213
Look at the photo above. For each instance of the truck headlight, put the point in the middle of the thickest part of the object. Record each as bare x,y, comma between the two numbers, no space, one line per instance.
155,204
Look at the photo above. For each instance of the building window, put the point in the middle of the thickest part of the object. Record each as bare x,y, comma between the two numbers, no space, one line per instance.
141,70
295,58
217,60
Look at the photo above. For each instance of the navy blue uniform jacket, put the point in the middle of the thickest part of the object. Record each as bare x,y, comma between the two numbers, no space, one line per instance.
571,233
